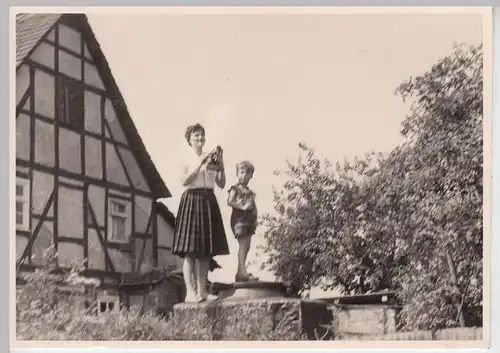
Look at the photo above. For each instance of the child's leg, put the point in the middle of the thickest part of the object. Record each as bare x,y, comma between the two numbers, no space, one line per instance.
244,248
248,241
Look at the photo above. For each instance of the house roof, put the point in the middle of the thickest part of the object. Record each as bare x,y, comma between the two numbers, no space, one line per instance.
151,277
31,28
163,211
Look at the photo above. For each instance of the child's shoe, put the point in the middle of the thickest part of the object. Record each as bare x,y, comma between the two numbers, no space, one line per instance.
246,278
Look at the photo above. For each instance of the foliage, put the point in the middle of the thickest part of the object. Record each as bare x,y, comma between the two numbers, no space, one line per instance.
45,312
409,220
445,160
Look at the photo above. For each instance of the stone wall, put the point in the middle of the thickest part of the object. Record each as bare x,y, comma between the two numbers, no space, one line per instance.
296,319
455,334
366,319
288,318
258,319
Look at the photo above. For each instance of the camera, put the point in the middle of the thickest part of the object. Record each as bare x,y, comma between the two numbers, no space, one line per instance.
214,162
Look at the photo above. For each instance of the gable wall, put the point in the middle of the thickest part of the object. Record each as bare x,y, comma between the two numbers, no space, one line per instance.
73,167
165,241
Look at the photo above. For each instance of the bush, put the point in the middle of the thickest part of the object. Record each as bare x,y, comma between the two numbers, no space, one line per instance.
51,305
54,305
409,221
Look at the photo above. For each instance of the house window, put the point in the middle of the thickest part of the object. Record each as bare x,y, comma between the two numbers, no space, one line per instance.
22,203
118,216
108,303
71,103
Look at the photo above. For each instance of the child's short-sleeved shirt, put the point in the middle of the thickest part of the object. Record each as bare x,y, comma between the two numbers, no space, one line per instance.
243,194
243,223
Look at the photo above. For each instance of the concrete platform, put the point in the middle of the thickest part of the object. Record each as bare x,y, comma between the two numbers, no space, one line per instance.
253,290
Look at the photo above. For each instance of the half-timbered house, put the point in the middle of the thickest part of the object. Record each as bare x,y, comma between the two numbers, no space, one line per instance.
84,180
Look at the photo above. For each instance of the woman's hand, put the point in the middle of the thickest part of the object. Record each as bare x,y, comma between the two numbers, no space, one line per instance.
204,160
189,175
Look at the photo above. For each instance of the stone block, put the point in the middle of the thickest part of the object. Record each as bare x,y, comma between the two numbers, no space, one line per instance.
256,319
391,336
366,319
460,334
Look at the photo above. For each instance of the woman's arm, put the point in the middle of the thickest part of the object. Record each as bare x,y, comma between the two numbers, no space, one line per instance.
220,178
189,176
231,201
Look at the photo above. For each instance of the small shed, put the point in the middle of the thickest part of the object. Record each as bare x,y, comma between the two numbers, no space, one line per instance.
384,298
155,290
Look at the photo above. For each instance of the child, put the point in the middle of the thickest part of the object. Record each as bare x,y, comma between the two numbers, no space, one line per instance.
243,217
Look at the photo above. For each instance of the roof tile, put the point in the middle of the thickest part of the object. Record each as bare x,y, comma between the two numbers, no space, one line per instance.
30,28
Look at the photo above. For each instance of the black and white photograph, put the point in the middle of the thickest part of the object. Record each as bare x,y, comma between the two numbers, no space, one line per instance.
251,174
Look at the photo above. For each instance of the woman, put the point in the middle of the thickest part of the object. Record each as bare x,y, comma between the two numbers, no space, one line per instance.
199,231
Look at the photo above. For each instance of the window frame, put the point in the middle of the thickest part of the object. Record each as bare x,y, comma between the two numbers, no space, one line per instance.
25,199
65,85
125,215
108,299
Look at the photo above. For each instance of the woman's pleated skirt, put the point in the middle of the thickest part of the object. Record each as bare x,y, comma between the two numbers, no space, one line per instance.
199,229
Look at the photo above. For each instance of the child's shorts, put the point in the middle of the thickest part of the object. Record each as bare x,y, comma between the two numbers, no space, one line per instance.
243,223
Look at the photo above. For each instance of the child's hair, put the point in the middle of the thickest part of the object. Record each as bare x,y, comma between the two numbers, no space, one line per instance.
191,129
245,165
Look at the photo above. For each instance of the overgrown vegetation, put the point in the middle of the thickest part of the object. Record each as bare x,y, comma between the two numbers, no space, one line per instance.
51,305
59,306
410,220
46,313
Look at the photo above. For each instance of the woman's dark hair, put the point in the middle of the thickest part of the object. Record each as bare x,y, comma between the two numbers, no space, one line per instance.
191,129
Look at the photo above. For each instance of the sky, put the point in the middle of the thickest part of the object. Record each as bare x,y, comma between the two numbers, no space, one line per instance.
261,84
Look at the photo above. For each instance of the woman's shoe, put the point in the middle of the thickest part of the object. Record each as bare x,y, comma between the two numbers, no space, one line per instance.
200,299
252,277
207,297
191,298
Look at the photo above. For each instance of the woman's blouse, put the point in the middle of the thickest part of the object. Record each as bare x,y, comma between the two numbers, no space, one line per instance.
204,179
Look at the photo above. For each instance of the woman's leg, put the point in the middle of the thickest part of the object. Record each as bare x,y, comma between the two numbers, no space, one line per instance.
193,278
203,265
187,271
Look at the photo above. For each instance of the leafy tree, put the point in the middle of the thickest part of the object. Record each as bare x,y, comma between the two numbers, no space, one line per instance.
410,220
445,144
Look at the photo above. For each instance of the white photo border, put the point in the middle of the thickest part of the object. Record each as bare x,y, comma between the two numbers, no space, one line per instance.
7,160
